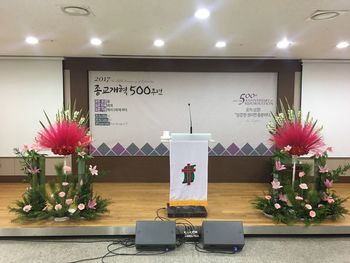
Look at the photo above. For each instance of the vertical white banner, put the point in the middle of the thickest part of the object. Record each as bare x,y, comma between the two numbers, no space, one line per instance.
188,173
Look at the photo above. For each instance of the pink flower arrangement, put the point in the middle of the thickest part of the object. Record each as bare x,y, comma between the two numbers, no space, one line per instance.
328,183
81,206
64,137
58,207
27,208
302,138
61,194
303,186
329,199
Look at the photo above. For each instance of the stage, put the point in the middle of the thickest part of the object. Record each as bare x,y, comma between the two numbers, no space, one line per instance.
140,201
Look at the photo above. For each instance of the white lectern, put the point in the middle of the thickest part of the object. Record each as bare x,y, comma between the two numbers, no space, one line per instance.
188,174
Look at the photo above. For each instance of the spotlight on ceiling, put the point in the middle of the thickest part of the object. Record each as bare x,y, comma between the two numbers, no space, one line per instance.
202,13
95,41
342,44
220,44
158,43
32,40
285,43
76,10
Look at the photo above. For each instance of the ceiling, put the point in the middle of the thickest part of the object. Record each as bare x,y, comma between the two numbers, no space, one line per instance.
251,28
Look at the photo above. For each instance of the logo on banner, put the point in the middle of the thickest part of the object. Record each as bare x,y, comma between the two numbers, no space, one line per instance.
188,171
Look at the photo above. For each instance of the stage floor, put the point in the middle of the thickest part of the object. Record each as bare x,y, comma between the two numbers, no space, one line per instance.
139,201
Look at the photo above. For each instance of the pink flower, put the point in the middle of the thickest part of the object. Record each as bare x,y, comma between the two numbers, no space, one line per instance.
299,198
329,149
283,198
308,206
287,148
312,213
276,184
301,174
81,206
33,170
93,170
36,147
320,205
279,166
328,183
58,207
323,169
69,201
82,154
67,169
328,199
268,197
25,148
303,186
277,206
65,183
61,194
92,204
27,208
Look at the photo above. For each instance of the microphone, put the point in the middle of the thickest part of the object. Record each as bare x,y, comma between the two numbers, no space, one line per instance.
189,110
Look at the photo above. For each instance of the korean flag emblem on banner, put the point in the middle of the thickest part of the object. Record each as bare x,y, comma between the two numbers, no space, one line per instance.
188,173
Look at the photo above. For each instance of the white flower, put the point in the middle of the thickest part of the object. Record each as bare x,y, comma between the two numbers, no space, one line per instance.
27,208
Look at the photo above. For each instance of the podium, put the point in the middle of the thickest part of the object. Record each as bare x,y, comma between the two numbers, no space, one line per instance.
188,174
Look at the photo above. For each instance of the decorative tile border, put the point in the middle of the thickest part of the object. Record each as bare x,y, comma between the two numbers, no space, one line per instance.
162,150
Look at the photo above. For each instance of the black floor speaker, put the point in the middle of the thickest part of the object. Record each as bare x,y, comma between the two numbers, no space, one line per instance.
155,235
222,235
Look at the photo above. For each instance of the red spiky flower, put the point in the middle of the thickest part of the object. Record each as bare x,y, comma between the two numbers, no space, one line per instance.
64,137
299,139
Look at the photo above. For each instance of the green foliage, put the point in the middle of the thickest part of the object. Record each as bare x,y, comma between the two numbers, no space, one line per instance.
312,205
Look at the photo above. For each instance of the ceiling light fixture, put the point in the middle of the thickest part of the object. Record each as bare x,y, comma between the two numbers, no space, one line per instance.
326,14
220,44
32,40
76,10
342,44
283,43
95,41
202,13
158,43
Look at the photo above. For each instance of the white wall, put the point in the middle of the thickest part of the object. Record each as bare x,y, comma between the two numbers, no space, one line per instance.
326,94
27,88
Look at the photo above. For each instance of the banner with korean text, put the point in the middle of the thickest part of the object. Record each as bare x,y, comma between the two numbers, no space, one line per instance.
129,111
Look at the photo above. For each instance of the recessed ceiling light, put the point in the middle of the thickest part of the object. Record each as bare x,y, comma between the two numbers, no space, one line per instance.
220,44
283,43
343,44
158,43
202,13
76,10
95,41
32,40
